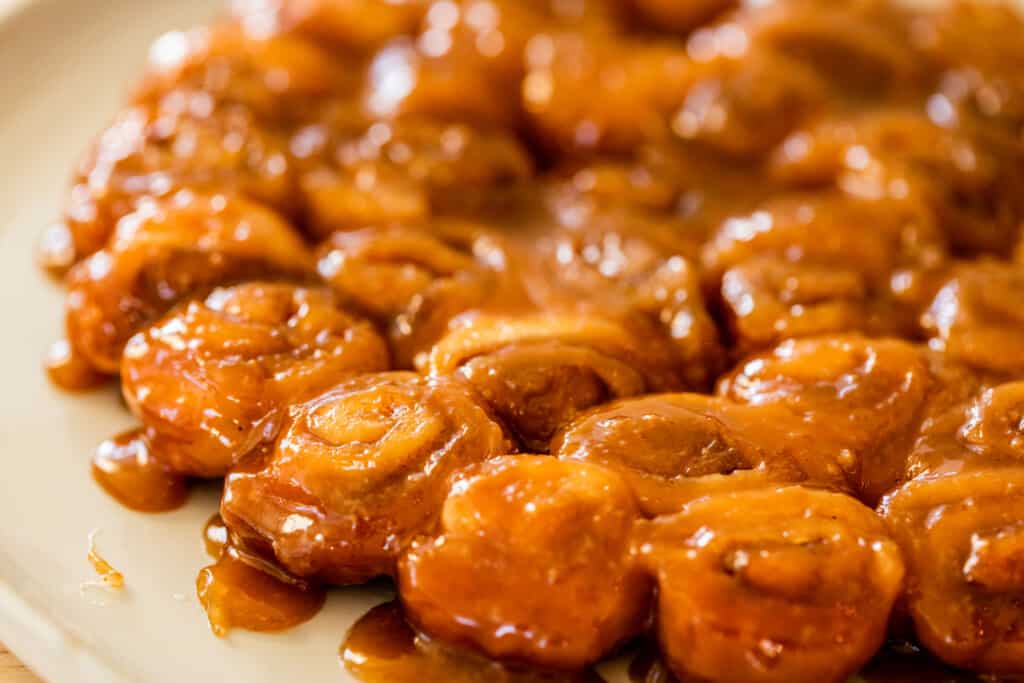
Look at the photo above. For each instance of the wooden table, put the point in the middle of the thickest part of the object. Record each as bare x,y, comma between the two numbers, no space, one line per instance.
11,670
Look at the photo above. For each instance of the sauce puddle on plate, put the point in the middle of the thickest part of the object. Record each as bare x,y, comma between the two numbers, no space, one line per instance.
126,470
383,648
237,594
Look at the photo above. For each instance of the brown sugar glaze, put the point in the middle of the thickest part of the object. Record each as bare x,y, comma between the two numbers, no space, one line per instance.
694,323
126,470
382,648
237,592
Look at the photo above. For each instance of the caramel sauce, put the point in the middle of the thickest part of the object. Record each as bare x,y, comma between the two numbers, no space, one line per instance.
383,648
55,250
215,536
68,370
238,591
109,576
126,470
238,595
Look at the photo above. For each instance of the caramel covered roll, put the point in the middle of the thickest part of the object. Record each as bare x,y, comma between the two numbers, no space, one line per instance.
214,112
865,394
210,379
789,585
280,79
977,318
342,25
969,181
358,471
413,281
828,229
634,264
538,371
166,251
611,95
467,61
674,448
862,46
402,171
804,265
147,154
981,87
963,542
769,300
531,565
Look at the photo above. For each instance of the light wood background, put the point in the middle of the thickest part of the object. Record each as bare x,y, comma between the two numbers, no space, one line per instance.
11,670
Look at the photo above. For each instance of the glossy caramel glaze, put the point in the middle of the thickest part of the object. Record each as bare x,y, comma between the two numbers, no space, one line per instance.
210,380
164,252
674,448
238,595
127,470
69,370
557,586
383,648
737,570
357,472
738,272
108,576
863,397
962,538
240,590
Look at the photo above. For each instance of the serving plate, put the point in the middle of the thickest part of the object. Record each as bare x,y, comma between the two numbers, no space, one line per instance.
64,69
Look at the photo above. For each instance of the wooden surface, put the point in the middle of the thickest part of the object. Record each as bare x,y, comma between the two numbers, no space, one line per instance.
11,670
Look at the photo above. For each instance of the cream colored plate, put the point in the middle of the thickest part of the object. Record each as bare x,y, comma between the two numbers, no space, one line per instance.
64,68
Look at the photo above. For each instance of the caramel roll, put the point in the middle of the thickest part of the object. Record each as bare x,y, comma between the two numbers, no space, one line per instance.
538,371
980,86
467,62
828,229
636,265
585,95
804,265
976,317
278,78
996,421
674,448
402,171
582,95
865,394
342,25
357,472
862,46
414,281
970,182
741,101
166,251
768,300
210,379
963,542
787,585
531,564
152,154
